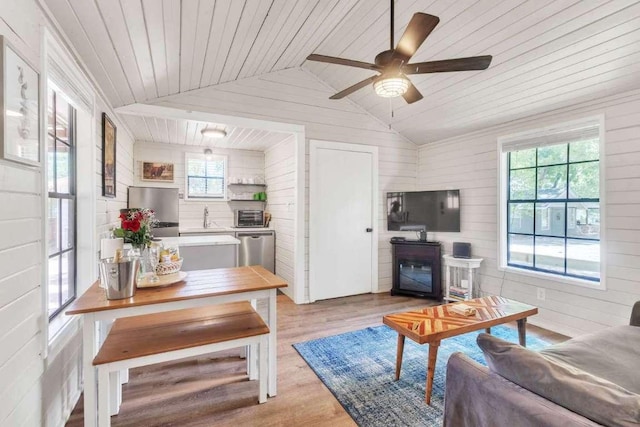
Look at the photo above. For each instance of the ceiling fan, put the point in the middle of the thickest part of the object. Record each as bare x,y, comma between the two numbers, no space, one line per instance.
393,64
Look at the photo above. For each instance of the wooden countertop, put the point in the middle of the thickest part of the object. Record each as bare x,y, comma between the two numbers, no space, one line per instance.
198,284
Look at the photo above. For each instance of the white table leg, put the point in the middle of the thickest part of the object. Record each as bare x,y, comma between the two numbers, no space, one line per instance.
104,415
249,352
262,396
272,350
252,362
117,379
115,386
89,373
124,376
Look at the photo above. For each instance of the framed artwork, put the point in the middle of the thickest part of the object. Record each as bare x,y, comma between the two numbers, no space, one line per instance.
108,157
153,171
20,101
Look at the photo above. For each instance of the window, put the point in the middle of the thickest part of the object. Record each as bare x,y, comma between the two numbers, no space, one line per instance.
206,176
61,207
551,200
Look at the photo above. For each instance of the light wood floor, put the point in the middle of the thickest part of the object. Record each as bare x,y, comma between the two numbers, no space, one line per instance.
214,391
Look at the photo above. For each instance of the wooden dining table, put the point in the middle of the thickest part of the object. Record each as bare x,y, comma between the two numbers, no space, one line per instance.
200,288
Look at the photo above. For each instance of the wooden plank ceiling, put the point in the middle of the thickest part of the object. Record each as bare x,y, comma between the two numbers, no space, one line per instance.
546,53
188,132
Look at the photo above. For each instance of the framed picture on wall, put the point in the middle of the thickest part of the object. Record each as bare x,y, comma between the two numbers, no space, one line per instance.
108,157
154,171
20,102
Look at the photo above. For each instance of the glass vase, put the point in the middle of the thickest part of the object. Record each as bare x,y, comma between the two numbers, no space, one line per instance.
135,251
148,264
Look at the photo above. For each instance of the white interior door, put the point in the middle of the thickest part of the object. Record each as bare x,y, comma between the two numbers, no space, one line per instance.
342,239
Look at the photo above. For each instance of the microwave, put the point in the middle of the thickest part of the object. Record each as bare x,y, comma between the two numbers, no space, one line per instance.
248,218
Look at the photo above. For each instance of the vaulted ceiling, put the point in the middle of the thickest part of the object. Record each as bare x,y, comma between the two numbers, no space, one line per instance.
547,54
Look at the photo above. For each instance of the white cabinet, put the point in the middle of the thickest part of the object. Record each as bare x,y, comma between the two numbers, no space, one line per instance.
459,278
205,251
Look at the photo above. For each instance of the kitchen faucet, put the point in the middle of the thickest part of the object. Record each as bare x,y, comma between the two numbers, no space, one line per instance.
206,217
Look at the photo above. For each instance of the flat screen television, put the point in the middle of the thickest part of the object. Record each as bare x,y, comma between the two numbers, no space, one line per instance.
423,210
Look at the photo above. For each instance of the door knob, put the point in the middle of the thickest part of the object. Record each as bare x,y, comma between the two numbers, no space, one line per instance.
369,230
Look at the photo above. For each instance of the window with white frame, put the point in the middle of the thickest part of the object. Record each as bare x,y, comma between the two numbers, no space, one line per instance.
206,176
61,206
551,200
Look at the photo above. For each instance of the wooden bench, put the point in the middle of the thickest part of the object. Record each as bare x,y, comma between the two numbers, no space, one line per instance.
144,340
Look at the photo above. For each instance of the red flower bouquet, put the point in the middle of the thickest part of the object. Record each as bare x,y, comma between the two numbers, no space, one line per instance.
136,227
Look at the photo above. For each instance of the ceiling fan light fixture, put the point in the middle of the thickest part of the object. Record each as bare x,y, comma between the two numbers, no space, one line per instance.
391,86
213,133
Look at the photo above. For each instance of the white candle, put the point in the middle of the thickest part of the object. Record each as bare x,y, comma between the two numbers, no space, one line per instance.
108,247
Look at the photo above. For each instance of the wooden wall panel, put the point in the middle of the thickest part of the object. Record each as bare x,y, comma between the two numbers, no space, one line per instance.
279,162
470,163
20,262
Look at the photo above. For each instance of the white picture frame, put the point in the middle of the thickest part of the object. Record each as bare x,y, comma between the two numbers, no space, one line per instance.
20,101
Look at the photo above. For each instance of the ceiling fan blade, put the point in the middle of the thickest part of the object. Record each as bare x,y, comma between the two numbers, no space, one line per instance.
355,87
342,61
412,95
419,28
446,65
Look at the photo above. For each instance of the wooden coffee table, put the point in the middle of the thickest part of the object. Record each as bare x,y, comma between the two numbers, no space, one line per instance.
433,324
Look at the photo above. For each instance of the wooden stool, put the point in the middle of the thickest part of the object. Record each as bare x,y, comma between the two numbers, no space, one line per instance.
154,338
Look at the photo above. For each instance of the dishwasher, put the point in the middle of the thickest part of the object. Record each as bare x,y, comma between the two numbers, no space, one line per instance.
257,248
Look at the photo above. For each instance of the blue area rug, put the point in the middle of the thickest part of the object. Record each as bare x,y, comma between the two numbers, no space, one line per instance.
358,367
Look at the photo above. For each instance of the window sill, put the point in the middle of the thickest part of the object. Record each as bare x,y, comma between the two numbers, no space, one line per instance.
61,330
598,286
204,199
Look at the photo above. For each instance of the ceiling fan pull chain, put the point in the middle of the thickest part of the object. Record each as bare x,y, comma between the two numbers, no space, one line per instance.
390,112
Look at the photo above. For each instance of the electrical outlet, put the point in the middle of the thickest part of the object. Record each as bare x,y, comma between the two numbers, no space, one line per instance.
541,294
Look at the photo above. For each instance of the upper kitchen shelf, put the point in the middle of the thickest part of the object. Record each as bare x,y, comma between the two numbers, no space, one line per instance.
246,185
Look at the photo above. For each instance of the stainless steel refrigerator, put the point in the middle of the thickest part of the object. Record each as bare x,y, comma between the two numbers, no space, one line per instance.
163,201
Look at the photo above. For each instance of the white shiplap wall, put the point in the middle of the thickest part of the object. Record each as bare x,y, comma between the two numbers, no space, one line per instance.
279,165
296,96
21,366
108,209
241,163
38,391
470,163
20,294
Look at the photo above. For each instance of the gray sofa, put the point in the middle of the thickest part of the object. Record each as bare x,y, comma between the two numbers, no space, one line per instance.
590,380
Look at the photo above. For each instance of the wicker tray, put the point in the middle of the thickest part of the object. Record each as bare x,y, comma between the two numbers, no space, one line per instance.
165,268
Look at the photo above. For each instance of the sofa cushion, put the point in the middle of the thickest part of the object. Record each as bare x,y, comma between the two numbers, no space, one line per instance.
607,354
579,391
